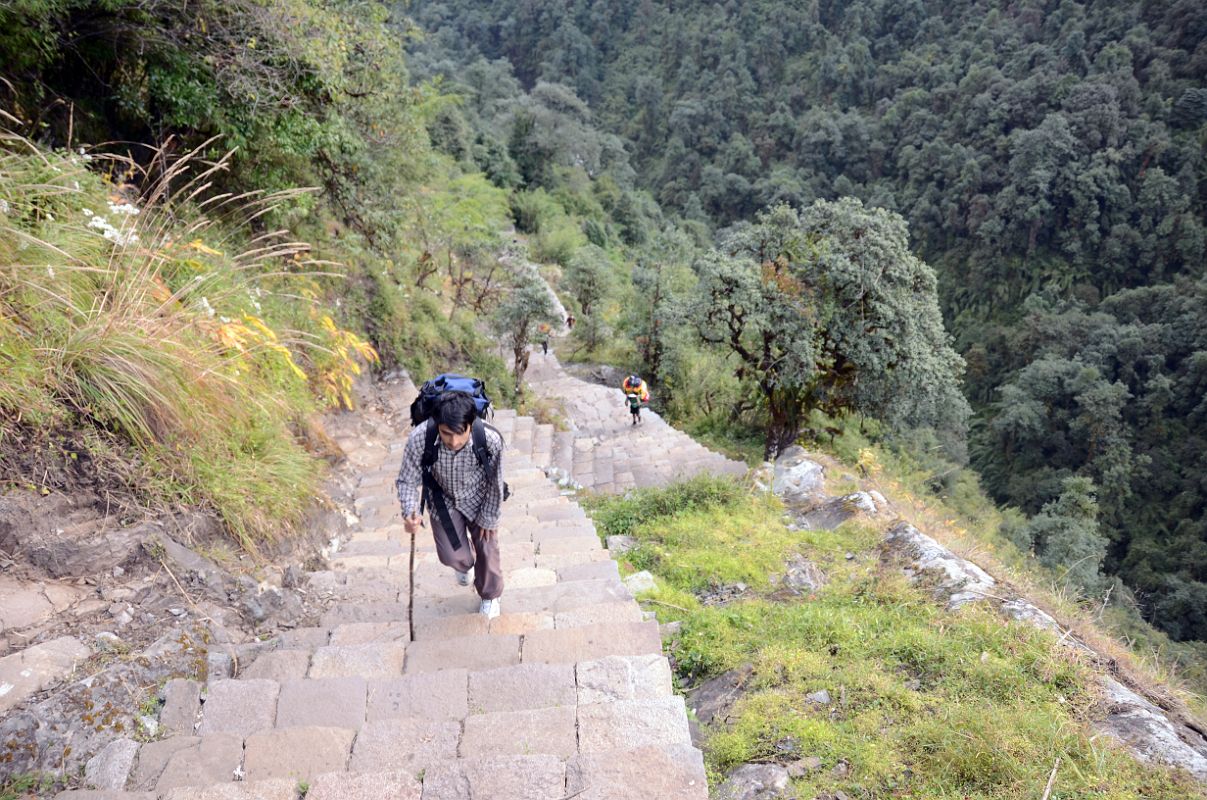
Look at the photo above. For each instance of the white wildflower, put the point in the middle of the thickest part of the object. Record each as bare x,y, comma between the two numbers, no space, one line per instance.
123,208
87,212
111,233
207,308
4,207
50,217
76,184
224,320
50,270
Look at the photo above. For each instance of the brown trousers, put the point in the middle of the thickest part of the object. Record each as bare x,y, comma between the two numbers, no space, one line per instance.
488,573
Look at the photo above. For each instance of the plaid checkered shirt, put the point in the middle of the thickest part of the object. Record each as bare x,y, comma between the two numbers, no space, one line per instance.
466,485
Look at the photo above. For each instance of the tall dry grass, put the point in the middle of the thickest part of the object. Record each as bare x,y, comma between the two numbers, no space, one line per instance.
157,315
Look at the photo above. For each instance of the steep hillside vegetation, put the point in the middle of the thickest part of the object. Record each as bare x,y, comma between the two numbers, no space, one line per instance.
1048,158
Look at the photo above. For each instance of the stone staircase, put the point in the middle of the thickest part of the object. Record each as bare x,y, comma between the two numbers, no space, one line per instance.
603,450
403,691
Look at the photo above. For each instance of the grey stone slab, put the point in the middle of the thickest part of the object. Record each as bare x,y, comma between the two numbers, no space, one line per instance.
444,627
98,794
632,723
110,768
520,687
593,570
518,733
365,786
303,638
322,702
181,703
371,660
533,777
210,759
254,790
668,773
365,612
620,611
567,544
407,745
279,666
365,632
589,642
468,652
623,678
297,753
37,667
238,706
153,757
424,695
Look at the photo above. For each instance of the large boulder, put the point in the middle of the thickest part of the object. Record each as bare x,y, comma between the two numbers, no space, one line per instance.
798,479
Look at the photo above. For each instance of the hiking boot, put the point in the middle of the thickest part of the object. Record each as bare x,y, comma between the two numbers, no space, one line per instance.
462,578
489,608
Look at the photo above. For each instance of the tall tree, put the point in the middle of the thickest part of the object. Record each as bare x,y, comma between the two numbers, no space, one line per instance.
830,310
517,318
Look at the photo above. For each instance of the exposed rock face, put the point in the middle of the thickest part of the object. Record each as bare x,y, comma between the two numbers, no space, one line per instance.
798,479
960,580
1147,730
1150,733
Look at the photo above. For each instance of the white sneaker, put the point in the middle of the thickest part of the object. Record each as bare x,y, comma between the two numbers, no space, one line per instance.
489,608
462,578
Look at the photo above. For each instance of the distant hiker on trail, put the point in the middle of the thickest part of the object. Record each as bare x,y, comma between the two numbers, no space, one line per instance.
636,394
634,400
543,331
635,384
459,461
569,322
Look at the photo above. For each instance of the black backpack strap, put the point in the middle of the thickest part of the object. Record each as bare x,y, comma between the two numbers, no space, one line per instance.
482,451
433,495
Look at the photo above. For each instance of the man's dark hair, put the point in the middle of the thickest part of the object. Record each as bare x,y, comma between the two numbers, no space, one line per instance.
456,411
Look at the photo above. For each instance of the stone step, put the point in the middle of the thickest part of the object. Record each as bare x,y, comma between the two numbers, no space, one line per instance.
588,642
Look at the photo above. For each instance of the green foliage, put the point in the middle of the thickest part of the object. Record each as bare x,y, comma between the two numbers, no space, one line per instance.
1114,394
1055,148
515,321
830,310
1065,534
19,787
925,702
623,515
121,319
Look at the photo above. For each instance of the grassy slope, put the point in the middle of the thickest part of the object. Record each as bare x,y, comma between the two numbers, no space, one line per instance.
161,353
927,703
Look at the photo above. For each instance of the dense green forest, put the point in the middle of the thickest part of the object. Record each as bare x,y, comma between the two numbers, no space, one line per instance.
1048,157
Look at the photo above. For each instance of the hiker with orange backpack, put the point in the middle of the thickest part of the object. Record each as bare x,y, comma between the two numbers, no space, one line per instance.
636,394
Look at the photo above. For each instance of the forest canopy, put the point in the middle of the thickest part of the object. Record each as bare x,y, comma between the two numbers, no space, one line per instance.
1050,161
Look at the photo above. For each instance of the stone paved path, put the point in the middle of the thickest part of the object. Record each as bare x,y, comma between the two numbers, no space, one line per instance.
404,692
603,450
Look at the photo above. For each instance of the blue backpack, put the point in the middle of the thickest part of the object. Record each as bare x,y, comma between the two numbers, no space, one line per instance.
431,390
421,409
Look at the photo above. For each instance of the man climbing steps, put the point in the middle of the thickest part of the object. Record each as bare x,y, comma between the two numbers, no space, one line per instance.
463,491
